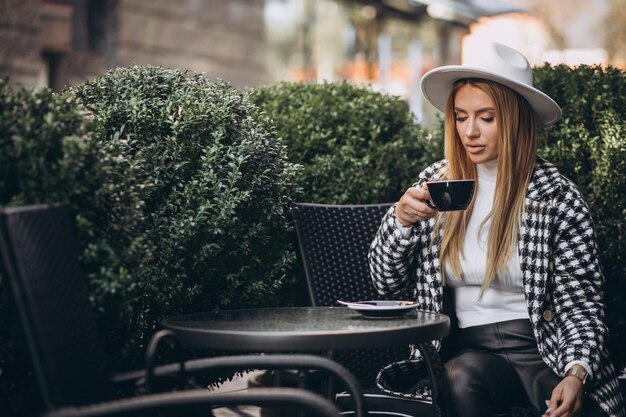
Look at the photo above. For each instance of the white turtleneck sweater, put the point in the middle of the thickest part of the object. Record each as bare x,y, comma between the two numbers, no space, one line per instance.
504,298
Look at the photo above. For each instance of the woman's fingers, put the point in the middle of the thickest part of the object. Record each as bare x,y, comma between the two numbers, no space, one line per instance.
566,399
422,194
411,207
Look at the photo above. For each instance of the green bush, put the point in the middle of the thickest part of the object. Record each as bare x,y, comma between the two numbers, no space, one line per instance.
356,146
193,202
589,146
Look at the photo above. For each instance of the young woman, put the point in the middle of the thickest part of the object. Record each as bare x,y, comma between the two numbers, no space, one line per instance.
521,264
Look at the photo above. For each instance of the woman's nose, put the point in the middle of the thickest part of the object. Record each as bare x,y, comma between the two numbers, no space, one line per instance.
471,131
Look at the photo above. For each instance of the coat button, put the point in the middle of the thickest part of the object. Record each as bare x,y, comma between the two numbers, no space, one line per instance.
548,315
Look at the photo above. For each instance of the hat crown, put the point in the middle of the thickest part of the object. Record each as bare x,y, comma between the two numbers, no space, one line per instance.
502,61
498,63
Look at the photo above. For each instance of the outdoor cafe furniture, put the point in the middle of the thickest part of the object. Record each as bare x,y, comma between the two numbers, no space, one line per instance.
304,329
39,260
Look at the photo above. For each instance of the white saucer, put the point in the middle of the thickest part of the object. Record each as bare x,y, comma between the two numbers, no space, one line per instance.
381,308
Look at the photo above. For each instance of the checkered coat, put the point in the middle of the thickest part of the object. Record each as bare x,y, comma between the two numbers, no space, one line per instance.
563,281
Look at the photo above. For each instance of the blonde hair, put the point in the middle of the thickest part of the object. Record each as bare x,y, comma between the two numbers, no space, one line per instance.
517,143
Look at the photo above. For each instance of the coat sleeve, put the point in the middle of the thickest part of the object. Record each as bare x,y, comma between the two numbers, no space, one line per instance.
392,255
578,282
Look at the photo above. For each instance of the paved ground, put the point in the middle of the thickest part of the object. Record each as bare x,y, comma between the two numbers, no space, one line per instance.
238,383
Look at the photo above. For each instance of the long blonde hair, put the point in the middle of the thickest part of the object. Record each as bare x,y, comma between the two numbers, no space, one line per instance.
517,144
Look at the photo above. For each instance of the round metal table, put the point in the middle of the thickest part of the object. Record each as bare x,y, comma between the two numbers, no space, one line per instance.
303,329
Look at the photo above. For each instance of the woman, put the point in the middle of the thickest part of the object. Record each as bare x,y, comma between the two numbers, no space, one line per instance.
520,263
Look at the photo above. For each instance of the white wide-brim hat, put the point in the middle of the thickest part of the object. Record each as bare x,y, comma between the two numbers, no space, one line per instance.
495,62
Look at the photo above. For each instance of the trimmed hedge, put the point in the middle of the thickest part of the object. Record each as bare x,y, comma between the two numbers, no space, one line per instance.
589,146
356,146
193,202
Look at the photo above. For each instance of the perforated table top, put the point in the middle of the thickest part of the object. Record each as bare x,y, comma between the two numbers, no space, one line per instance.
303,329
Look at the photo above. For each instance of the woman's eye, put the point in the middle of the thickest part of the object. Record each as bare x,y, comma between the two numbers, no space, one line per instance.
489,119
460,118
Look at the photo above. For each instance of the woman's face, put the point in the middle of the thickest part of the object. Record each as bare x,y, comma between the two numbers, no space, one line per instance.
475,119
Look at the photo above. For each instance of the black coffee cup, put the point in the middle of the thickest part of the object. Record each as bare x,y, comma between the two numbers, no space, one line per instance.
450,195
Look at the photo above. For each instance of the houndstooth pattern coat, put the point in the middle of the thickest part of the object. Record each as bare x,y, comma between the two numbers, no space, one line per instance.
563,282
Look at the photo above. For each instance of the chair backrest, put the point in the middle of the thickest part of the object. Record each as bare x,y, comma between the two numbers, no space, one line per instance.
334,241
40,262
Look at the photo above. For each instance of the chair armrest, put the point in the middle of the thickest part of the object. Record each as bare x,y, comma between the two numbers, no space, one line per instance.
278,361
284,361
200,402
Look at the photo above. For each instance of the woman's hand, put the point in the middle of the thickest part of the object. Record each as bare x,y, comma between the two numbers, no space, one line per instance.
567,398
412,208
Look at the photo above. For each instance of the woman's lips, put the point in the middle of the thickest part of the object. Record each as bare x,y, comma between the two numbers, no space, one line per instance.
474,148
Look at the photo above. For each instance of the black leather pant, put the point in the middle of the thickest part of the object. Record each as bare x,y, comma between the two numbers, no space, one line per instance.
499,368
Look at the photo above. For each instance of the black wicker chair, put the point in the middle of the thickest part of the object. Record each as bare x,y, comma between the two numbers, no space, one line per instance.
39,260
334,242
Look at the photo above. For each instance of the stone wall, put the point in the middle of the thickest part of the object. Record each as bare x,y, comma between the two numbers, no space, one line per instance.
222,38
66,42
19,41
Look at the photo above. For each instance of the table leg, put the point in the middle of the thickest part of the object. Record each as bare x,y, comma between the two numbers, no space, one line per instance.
276,374
302,383
330,381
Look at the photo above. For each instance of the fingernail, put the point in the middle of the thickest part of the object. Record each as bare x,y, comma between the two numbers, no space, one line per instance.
547,412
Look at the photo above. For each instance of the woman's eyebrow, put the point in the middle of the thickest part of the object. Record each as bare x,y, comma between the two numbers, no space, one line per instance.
483,110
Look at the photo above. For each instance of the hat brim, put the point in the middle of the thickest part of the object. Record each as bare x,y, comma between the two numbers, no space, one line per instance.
437,84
